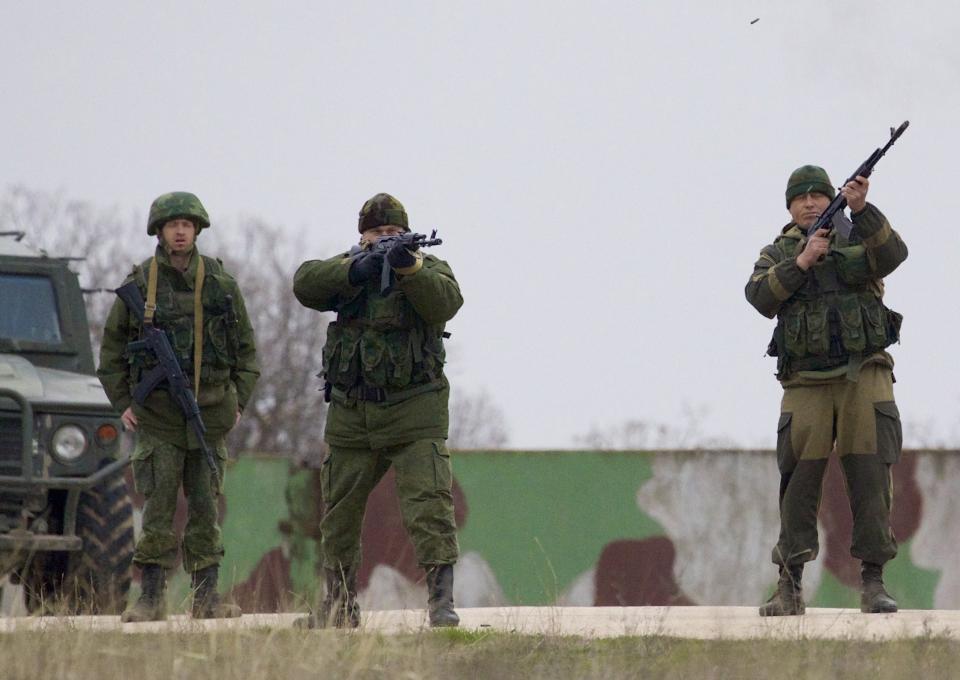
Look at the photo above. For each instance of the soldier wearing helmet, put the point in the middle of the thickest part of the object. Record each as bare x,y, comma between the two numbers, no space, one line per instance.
826,291
383,367
176,205
199,305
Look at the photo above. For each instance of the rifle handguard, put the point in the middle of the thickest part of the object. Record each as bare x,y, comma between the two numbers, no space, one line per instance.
865,170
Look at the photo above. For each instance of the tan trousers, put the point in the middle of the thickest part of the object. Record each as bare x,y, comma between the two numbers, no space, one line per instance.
860,419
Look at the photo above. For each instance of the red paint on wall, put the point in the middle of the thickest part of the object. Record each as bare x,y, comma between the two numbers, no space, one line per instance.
268,588
384,538
638,573
837,519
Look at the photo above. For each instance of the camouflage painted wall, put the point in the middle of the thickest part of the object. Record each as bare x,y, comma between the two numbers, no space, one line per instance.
596,528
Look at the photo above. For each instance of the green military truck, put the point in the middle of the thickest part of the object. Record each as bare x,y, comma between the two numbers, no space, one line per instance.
66,517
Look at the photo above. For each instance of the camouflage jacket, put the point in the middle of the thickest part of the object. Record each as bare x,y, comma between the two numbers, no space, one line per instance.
392,345
229,367
833,312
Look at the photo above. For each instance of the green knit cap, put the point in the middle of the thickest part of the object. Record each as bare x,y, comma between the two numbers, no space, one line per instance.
809,179
380,210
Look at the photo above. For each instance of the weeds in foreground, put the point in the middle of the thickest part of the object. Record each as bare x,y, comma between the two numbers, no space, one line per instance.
236,655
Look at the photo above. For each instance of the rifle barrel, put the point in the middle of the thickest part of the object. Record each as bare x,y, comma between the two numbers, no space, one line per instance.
865,170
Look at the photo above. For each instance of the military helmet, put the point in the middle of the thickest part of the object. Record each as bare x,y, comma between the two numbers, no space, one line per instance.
176,204
380,210
809,179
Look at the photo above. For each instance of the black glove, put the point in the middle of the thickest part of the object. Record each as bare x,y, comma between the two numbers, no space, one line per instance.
365,267
399,255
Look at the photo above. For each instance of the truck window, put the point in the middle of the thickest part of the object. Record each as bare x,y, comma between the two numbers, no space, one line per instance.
28,309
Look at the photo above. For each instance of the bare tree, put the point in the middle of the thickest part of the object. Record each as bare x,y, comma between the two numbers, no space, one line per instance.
287,413
100,240
476,421
636,434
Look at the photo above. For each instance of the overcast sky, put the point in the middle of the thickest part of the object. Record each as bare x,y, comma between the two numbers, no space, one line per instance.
603,174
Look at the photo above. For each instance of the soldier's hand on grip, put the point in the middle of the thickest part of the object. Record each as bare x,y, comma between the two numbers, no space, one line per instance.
815,249
365,266
400,256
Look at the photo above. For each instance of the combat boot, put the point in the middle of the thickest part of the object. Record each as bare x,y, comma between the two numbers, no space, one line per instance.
787,600
152,605
206,599
440,596
339,608
874,598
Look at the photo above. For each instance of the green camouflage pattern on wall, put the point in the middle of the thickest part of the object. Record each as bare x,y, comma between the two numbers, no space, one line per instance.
592,528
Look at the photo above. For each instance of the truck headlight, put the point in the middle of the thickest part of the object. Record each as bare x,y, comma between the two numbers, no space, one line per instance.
69,443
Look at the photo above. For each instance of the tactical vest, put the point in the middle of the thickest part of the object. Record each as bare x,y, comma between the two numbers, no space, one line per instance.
381,342
221,339
836,316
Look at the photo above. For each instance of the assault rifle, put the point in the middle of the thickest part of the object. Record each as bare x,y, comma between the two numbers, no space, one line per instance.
409,240
833,215
168,369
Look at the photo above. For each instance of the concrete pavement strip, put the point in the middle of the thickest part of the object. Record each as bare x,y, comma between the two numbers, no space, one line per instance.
703,623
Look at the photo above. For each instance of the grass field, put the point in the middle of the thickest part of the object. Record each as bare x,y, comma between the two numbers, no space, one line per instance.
235,655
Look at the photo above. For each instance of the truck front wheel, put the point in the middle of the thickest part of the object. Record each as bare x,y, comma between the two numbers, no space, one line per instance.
95,579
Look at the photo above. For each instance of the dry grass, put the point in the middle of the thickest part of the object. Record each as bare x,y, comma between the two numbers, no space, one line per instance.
77,655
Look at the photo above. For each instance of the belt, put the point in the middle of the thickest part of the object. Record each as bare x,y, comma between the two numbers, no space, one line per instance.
818,363
382,396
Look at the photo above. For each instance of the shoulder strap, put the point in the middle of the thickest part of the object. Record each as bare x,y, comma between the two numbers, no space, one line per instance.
150,307
197,325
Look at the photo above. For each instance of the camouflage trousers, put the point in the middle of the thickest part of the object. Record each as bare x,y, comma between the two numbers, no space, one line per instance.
860,420
424,483
159,470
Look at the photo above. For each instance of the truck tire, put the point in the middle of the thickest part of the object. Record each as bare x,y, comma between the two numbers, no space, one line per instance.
95,579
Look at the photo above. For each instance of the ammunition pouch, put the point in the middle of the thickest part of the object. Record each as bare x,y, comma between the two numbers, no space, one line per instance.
221,335
853,268
825,331
379,346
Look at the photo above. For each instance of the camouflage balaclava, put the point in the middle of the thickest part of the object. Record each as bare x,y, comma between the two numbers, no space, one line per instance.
809,179
176,204
380,210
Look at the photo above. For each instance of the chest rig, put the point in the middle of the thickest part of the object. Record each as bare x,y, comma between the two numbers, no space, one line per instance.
379,349
836,316
181,314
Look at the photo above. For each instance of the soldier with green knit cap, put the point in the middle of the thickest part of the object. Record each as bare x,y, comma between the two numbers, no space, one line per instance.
826,292
198,304
383,367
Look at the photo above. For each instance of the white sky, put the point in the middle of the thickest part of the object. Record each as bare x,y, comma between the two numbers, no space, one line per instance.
604,174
